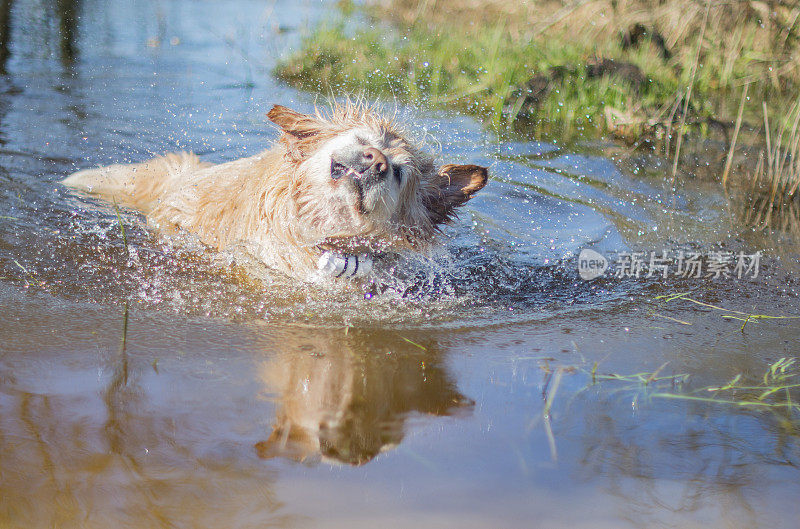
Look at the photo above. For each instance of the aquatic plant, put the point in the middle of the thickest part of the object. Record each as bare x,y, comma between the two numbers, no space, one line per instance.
771,200
775,390
744,317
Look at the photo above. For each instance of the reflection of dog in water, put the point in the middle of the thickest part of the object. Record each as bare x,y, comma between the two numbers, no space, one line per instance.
347,182
345,400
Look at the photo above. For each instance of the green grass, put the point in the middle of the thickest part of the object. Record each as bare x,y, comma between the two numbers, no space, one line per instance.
776,390
729,72
483,70
483,74
744,317
425,53
29,277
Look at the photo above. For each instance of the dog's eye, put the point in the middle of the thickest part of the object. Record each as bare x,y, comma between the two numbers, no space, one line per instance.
337,170
397,171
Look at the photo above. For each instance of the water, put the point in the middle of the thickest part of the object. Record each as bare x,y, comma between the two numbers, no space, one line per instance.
170,386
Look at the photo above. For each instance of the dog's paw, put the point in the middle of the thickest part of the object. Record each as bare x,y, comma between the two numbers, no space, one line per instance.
332,264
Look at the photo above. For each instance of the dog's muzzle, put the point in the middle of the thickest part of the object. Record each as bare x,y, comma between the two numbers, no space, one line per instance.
372,165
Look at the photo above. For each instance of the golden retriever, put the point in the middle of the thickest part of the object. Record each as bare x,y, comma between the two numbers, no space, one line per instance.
341,182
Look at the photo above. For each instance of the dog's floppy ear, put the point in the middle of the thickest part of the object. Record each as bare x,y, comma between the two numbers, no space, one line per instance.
300,131
456,185
299,125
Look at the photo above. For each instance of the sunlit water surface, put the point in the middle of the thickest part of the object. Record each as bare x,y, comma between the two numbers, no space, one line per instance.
148,382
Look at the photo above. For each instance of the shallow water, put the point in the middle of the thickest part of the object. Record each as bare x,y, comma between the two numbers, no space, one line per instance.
164,385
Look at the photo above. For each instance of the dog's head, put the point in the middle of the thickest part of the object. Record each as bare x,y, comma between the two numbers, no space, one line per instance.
357,181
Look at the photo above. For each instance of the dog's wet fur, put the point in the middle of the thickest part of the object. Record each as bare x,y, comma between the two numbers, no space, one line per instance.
348,179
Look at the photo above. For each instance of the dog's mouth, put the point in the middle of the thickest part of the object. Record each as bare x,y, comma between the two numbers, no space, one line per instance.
339,170
359,187
360,180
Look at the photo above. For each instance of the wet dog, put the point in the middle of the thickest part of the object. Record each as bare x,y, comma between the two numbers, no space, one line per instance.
343,182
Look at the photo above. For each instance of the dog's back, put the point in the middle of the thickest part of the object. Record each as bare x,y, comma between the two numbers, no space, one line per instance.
243,203
139,186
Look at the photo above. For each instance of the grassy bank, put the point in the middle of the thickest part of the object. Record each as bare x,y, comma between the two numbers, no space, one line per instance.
630,68
643,71
486,72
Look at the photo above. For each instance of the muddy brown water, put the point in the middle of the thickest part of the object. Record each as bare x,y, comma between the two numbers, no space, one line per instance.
164,386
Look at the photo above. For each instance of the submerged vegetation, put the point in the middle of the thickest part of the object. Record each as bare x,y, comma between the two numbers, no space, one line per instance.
744,317
776,390
643,71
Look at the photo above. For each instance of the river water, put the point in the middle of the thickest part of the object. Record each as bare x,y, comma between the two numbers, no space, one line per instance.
147,382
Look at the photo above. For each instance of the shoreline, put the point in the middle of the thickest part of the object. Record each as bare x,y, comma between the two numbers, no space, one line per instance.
597,70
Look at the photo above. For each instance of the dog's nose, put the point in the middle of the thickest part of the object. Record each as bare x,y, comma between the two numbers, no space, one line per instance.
377,161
